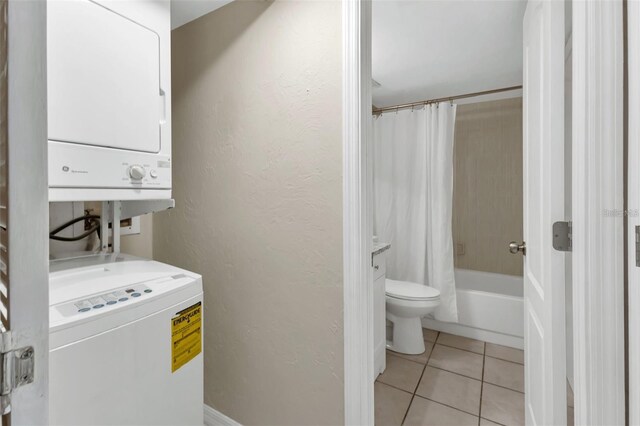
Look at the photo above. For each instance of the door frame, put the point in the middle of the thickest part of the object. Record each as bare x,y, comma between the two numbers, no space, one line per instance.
598,212
633,205
27,213
597,179
357,213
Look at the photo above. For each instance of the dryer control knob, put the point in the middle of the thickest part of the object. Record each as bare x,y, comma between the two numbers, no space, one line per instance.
137,172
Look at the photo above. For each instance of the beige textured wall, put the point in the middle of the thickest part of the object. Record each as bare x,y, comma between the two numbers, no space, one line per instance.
257,163
487,193
140,244
136,244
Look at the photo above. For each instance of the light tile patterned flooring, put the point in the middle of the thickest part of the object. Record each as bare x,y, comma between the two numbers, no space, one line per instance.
457,381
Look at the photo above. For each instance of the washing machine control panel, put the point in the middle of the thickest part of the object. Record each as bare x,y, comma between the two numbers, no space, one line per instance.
111,299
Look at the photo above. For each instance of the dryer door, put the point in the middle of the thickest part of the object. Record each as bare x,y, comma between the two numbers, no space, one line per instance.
103,78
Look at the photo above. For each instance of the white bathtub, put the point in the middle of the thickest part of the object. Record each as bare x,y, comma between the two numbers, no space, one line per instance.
490,308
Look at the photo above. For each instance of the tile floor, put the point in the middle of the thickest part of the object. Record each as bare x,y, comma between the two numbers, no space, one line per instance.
457,381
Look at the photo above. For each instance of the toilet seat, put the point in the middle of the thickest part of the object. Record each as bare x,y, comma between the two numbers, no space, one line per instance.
405,290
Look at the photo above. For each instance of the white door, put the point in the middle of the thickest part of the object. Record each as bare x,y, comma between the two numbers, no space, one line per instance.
543,104
24,208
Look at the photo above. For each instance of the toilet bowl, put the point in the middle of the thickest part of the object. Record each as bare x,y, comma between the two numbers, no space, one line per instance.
407,303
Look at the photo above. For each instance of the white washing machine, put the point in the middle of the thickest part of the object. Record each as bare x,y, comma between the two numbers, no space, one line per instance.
125,343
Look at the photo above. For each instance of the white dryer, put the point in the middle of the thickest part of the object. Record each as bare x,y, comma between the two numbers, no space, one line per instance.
109,100
125,343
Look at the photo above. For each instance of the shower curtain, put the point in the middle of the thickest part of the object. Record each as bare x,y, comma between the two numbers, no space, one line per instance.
413,198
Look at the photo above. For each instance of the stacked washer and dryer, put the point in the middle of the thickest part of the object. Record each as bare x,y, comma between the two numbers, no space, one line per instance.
125,332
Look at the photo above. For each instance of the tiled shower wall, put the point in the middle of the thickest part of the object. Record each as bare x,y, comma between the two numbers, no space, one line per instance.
487,188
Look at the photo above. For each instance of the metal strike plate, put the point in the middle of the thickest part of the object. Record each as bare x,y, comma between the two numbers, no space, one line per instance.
562,236
638,246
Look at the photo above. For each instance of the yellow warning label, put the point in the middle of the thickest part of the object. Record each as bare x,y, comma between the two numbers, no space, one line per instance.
186,335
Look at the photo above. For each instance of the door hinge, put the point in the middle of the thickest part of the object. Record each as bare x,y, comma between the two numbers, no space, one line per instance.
562,236
16,369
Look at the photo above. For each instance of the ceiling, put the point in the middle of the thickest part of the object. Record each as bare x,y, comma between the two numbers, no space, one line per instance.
426,49
183,11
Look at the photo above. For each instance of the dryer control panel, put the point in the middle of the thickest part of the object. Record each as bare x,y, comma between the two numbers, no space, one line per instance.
79,166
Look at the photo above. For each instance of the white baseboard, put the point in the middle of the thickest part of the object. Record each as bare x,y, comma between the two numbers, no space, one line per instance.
474,333
213,417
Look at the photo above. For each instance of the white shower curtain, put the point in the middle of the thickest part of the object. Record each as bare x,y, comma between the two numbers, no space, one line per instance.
413,197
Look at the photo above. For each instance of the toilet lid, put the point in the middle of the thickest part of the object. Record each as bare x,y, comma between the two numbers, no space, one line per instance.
410,291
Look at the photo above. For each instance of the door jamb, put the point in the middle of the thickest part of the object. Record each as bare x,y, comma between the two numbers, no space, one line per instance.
597,180
28,204
357,217
633,194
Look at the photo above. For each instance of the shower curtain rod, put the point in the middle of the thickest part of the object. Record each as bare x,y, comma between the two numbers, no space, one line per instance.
450,98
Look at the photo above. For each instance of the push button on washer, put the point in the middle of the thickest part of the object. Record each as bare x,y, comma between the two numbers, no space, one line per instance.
135,294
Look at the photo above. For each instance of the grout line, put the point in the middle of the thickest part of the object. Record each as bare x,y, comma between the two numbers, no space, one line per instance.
454,372
481,391
413,396
492,421
418,384
395,387
505,360
423,370
503,387
460,349
484,344
398,355
484,352
428,341
401,355
474,378
448,406
391,353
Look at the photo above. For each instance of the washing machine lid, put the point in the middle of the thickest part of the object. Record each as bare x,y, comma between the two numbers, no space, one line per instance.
410,291
93,294
84,276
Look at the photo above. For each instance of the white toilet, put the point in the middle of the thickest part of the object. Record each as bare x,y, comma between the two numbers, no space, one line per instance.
407,303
